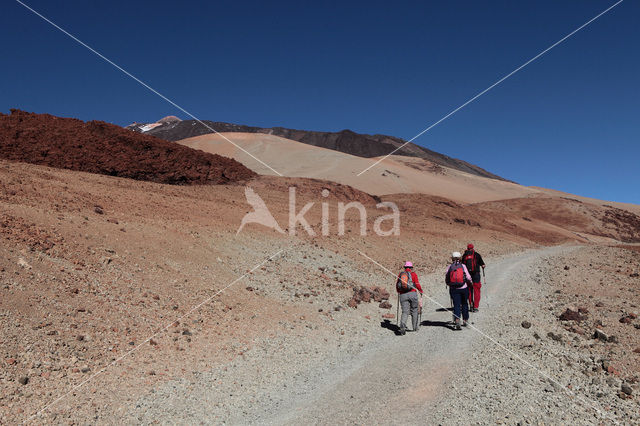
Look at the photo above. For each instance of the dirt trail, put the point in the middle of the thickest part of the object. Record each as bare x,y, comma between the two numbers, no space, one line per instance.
381,386
366,386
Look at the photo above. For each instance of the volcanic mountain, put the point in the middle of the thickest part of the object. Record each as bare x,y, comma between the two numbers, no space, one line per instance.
347,141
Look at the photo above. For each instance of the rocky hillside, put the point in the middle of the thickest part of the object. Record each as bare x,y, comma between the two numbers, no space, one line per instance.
361,145
103,148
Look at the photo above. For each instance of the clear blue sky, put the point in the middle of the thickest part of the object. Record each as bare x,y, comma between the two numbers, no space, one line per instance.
569,121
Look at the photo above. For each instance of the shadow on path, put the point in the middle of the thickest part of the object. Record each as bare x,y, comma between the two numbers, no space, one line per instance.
390,326
445,324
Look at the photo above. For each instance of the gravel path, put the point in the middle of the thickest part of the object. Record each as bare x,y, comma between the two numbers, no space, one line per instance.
435,376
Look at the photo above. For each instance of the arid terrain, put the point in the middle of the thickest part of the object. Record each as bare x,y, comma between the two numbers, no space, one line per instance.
129,300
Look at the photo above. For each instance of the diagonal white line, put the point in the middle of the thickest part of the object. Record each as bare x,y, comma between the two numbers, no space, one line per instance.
512,353
160,331
492,86
146,85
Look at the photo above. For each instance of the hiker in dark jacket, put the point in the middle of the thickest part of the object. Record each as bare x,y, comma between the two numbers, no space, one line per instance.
473,261
457,278
408,286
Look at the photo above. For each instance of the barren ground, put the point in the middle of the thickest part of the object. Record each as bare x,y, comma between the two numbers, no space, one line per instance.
92,266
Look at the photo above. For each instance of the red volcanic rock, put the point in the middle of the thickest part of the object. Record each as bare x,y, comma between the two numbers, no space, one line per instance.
570,315
627,319
367,294
103,148
385,305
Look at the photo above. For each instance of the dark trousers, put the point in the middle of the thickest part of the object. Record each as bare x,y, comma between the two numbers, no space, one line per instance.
460,298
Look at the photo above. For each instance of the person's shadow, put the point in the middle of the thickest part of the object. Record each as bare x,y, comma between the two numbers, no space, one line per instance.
444,310
390,326
445,324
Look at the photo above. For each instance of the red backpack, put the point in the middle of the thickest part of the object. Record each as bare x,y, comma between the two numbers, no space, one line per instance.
469,260
456,276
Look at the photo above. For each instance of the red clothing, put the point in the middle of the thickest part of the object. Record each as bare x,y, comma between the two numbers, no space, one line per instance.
414,278
474,295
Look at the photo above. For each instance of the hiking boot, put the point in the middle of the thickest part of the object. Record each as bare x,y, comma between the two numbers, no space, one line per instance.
457,324
464,323
403,330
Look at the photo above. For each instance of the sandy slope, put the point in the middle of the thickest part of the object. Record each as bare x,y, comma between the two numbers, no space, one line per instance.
396,174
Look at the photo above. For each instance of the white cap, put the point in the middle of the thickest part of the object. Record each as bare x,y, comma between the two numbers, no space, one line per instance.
456,255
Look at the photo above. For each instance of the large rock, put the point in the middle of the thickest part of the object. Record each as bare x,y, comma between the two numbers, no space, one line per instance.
571,315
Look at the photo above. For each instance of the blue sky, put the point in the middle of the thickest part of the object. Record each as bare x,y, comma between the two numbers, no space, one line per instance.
568,121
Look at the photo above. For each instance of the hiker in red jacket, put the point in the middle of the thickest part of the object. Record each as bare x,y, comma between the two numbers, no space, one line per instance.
473,261
408,286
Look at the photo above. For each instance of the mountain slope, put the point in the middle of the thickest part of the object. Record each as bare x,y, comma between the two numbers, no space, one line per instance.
394,174
346,141
99,147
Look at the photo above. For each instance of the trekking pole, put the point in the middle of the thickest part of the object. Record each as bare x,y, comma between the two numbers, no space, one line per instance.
398,312
420,312
484,278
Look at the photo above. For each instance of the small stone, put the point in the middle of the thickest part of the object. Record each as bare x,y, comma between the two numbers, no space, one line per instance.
385,305
626,389
186,333
566,267
12,361
555,337
249,289
525,324
153,342
23,380
98,210
388,316
600,335
626,319
85,369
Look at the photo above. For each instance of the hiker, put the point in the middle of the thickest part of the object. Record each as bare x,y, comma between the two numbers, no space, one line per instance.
408,286
457,279
473,261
